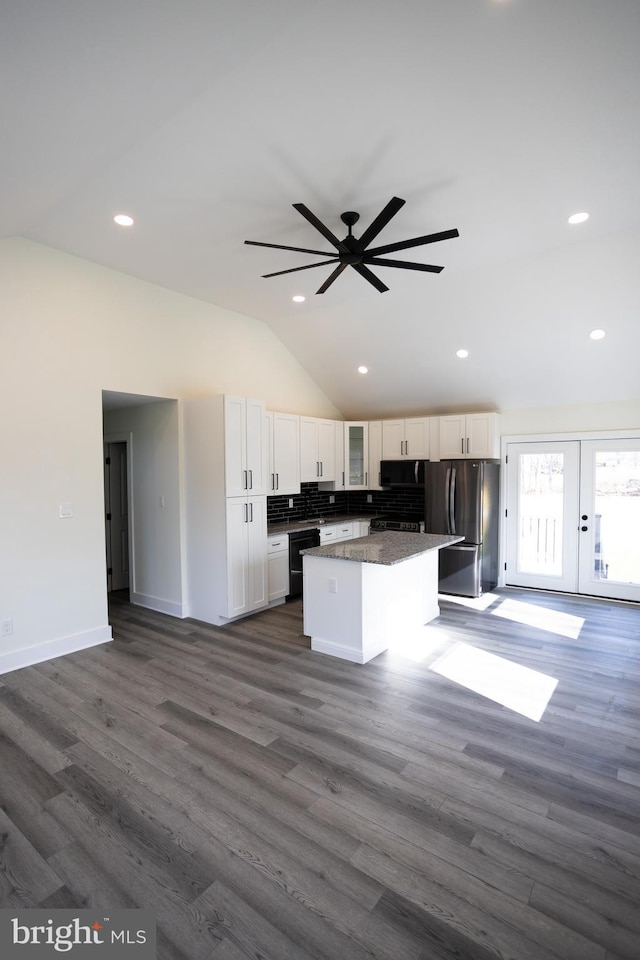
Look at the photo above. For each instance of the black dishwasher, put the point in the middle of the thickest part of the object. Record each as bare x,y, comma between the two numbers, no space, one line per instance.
300,540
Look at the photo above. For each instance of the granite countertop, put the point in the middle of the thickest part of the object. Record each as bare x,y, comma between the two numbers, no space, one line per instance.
295,525
385,548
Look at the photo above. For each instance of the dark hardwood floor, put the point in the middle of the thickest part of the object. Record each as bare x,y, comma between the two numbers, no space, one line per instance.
273,803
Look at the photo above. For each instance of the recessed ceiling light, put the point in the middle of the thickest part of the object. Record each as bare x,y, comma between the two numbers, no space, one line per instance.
363,369
578,217
597,334
462,354
123,220
298,298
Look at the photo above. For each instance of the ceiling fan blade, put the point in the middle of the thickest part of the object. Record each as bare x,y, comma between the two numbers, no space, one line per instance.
403,264
281,246
416,242
307,266
333,276
371,277
380,221
319,225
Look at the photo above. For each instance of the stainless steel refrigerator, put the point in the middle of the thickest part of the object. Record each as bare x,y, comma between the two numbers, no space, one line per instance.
461,497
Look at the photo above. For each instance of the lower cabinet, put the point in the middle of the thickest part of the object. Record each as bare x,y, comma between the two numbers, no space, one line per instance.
278,566
246,555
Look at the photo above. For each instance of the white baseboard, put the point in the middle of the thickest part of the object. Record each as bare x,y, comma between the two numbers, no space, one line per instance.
16,659
170,607
345,653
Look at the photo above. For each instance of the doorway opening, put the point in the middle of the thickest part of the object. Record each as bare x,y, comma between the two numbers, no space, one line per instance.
116,512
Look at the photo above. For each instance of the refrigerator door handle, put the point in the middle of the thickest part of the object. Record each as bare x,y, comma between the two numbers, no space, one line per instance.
415,470
452,501
447,498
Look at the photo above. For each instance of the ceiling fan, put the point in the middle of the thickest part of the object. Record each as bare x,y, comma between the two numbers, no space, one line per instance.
355,251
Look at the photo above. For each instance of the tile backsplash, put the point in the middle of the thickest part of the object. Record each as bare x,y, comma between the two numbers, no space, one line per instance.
311,502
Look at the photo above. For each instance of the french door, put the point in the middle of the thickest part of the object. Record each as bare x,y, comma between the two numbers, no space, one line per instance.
573,516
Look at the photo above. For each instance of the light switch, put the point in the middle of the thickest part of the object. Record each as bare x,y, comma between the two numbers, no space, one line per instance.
65,510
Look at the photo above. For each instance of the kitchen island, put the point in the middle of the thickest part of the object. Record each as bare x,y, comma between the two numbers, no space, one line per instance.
361,594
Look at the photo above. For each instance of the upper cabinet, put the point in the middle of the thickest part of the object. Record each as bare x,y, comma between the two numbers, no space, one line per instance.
283,433
406,439
356,456
245,447
317,450
470,435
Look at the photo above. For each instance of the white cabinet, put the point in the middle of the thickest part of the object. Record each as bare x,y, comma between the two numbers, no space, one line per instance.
226,536
339,473
406,439
375,454
361,528
470,435
317,450
356,455
246,555
278,566
335,532
283,443
245,447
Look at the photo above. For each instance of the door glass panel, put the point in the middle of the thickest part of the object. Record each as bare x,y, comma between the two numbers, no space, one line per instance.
356,456
541,509
616,554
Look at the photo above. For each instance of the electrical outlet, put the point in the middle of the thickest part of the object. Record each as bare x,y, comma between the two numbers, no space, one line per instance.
290,503
6,627
369,498
333,585
332,499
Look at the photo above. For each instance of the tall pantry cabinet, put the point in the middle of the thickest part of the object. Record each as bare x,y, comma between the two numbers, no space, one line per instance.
226,461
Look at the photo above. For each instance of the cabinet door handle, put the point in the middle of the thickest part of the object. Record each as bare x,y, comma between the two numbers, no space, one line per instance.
250,513
246,513
250,479
462,445
467,444
317,468
277,481
246,480
321,468
273,481
366,478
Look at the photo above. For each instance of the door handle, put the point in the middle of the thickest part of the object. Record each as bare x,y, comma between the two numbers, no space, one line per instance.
584,529
246,480
584,516
467,445
273,481
452,501
462,445
250,479
277,481
250,513
246,513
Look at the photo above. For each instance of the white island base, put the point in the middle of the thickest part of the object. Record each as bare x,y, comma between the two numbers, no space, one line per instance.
355,611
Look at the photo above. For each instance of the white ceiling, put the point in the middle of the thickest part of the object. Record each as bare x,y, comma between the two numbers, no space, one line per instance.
206,120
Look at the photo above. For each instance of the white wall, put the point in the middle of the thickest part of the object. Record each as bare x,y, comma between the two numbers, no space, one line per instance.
68,330
568,419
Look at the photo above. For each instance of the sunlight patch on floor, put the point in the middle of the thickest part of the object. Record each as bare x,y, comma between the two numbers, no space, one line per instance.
533,615
474,603
521,689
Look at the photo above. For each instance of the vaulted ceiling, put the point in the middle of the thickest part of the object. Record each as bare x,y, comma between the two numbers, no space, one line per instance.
205,121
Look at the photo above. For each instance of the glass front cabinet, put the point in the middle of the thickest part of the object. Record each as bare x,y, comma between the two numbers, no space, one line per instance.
356,456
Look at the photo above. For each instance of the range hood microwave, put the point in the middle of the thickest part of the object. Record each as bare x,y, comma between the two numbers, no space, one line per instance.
402,473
